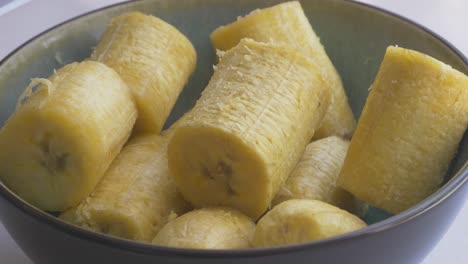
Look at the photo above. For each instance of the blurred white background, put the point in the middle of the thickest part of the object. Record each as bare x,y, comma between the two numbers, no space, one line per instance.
22,19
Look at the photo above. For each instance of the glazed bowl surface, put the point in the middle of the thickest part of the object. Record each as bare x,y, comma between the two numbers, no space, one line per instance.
355,37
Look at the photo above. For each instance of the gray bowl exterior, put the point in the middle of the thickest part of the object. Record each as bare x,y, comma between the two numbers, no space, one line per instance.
355,37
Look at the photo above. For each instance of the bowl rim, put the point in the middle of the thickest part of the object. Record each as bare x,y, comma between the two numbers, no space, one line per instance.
460,178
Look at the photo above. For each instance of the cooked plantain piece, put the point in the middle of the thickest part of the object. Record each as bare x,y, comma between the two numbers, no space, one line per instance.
208,228
409,130
286,23
58,144
303,220
135,197
153,58
244,136
315,176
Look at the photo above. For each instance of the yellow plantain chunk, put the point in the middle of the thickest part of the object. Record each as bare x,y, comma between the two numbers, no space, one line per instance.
409,130
286,23
248,130
302,220
58,144
136,195
208,228
153,58
316,174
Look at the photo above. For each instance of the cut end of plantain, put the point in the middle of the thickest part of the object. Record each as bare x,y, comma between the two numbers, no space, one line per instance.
408,132
208,228
249,128
302,220
223,170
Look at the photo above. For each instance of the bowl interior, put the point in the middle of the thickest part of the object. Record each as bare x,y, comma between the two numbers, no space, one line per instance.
354,35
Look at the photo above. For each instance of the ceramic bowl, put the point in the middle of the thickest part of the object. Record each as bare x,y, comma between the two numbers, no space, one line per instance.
355,36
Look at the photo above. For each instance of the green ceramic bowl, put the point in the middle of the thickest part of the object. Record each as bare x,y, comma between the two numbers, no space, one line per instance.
355,37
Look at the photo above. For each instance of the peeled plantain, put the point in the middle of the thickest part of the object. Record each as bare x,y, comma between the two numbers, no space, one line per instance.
135,197
58,144
251,125
315,176
413,120
303,220
153,58
208,228
286,23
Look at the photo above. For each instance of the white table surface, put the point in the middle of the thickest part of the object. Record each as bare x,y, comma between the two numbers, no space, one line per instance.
449,18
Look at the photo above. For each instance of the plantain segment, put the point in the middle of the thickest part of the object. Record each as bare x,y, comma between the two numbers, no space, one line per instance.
239,143
208,228
59,142
408,132
302,220
135,197
153,58
316,174
286,23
